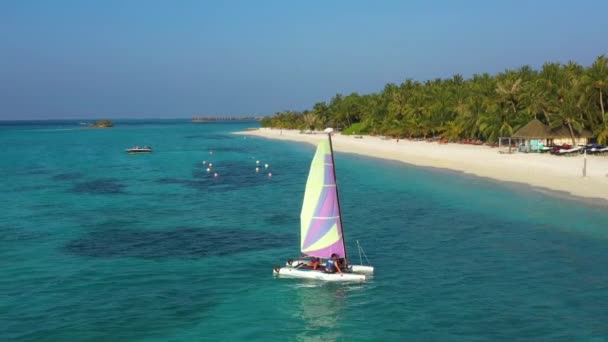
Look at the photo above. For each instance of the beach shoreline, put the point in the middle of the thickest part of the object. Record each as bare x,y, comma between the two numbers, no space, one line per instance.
540,171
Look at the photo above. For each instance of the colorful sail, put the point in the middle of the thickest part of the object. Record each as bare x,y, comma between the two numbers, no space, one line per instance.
321,230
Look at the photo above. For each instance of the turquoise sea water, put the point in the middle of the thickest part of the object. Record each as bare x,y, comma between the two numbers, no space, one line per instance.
99,245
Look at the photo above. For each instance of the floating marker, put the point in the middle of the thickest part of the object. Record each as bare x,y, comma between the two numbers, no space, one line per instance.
204,162
266,165
257,169
215,174
257,162
210,164
210,152
269,174
208,170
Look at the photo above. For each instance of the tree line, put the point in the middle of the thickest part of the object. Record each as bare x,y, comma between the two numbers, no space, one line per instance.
483,107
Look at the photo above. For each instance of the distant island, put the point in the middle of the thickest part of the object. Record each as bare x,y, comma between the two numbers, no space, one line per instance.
223,118
102,124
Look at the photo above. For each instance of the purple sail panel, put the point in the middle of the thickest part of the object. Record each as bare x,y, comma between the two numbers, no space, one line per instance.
326,215
330,177
337,248
321,231
320,227
328,205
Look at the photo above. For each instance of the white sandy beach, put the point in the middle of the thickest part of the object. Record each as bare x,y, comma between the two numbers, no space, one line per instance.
540,170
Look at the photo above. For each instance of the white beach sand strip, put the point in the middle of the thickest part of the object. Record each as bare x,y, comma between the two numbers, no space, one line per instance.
540,170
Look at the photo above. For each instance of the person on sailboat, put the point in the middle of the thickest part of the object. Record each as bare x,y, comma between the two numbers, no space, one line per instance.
332,265
314,263
343,262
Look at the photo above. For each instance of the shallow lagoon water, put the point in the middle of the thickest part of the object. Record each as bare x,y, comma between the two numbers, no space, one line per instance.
96,244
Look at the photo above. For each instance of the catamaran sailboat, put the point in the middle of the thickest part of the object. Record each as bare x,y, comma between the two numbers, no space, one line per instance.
321,233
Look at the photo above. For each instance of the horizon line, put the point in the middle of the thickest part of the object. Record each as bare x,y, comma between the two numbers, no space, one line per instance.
146,118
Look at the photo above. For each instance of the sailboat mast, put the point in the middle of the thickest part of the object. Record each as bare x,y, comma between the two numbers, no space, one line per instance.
333,164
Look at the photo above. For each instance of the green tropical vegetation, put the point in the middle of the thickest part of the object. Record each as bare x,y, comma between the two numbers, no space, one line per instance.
102,124
482,107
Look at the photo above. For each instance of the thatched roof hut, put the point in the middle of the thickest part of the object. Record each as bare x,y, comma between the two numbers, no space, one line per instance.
533,130
564,133
538,130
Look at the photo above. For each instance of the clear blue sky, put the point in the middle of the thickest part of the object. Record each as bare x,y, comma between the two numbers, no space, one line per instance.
150,59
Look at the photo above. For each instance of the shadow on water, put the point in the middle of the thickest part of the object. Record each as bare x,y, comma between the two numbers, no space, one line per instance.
14,234
68,176
123,309
211,137
34,171
32,188
243,149
184,243
282,219
231,176
102,186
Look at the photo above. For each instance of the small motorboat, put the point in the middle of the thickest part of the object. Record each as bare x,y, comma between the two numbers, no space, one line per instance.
137,149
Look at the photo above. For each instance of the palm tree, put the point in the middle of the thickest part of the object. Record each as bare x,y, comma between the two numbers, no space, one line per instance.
508,91
602,136
569,110
483,106
310,120
374,110
597,78
537,99
468,117
322,112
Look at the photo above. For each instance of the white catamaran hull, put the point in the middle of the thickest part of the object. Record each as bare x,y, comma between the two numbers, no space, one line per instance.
289,271
354,268
362,269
